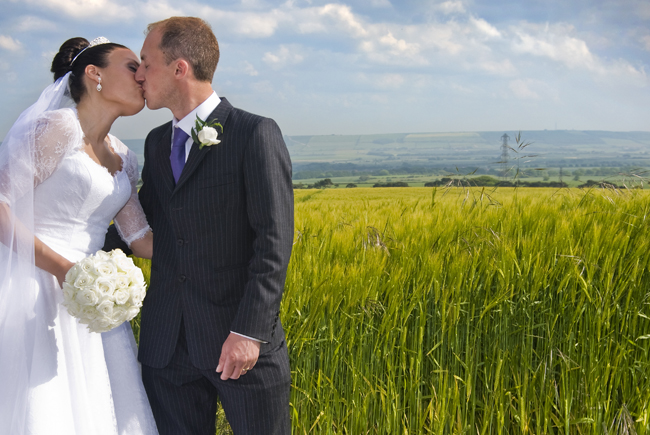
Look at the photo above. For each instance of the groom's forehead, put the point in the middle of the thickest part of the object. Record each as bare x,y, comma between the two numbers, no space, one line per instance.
151,42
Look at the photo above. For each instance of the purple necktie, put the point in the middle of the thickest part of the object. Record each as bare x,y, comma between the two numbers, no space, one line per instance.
177,157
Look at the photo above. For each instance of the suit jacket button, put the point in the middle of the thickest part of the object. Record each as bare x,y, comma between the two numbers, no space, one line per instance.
179,242
181,278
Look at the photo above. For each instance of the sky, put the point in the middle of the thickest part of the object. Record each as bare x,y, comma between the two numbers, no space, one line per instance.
373,66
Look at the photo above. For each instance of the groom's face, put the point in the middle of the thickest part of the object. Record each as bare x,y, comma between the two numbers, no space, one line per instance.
154,74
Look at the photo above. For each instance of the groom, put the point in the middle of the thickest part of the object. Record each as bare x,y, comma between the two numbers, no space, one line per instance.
222,216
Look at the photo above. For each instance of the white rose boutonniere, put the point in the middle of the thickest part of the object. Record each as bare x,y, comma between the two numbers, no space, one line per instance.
205,133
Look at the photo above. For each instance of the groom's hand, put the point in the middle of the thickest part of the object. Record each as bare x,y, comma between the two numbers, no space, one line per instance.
238,355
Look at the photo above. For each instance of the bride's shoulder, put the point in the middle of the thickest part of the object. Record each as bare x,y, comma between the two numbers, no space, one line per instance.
58,122
60,117
59,128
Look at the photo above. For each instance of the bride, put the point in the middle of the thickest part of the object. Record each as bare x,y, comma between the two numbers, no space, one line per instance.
63,179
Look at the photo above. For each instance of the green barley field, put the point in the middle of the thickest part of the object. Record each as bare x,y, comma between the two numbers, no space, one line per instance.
424,311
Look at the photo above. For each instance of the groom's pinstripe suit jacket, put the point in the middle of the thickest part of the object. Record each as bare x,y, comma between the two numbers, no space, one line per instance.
222,239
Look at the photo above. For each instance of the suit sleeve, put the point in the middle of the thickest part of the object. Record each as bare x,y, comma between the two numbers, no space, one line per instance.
269,202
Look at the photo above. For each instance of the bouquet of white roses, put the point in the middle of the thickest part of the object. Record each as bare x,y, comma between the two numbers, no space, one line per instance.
104,290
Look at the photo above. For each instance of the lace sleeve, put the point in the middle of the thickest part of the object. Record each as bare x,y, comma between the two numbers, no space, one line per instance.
131,222
53,135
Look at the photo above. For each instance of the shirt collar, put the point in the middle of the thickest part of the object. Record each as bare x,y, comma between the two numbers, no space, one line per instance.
203,110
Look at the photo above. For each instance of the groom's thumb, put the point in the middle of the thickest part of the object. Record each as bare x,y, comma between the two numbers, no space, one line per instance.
220,367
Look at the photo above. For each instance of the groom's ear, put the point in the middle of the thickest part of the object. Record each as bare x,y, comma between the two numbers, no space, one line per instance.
182,69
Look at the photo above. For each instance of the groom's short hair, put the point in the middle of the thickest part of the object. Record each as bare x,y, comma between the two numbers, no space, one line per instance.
192,39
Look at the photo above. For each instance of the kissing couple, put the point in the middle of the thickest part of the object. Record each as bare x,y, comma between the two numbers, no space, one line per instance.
214,213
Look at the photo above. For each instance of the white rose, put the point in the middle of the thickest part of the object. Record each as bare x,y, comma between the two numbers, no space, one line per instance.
87,296
122,281
102,256
117,253
106,287
105,268
137,278
84,279
74,309
121,296
68,291
119,315
86,264
101,325
72,274
105,309
87,314
208,136
136,297
124,264
131,312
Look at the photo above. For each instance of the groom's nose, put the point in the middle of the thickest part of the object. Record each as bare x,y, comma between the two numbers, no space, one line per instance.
139,74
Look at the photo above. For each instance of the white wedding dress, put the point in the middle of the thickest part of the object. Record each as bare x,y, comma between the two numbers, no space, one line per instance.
80,383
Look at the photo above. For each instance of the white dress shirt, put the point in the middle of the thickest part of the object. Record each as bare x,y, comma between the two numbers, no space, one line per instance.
186,124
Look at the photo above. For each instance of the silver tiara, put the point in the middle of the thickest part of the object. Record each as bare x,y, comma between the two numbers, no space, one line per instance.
97,41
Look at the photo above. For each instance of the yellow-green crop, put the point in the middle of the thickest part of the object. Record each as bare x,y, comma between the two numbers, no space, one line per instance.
420,311
417,311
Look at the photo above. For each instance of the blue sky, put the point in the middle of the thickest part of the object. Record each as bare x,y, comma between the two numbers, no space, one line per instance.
374,66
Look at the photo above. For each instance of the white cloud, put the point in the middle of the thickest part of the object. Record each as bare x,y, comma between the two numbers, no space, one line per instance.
502,67
393,81
32,24
257,25
388,81
49,55
251,4
9,43
398,46
105,9
249,69
262,87
247,24
646,42
156,10
556,42
380,3
521,89
485,28
344,16
102,11
284,56
451,7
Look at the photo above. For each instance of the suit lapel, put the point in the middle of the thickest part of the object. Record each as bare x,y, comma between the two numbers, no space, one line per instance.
162,152
220,114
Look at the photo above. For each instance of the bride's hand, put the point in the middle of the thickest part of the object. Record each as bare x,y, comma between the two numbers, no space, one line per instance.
63,269
50,261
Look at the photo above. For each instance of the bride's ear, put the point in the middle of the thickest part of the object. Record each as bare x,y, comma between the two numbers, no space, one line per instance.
92,73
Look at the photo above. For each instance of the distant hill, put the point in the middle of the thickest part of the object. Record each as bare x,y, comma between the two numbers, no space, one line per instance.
551,149
554,148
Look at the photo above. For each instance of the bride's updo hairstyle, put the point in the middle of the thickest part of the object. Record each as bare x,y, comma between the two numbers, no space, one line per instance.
62,62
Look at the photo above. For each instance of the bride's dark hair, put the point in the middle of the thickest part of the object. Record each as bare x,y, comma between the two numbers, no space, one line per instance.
62,62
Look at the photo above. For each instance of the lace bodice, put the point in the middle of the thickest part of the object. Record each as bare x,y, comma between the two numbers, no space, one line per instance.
75,198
